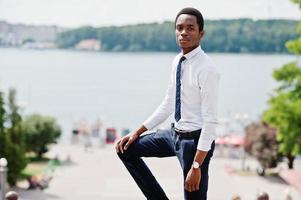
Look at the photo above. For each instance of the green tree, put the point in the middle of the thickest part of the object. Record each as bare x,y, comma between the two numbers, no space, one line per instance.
284,112
14,120
3,138
2,114
11,147
40,131
237,35
16,150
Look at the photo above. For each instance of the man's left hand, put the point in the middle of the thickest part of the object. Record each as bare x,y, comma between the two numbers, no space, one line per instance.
193,179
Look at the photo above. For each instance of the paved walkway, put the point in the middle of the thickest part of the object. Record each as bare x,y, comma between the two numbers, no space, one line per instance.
99,175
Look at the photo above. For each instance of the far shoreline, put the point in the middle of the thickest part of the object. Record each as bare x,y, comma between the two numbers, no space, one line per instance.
144,52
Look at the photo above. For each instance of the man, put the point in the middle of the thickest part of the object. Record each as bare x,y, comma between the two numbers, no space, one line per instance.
192,97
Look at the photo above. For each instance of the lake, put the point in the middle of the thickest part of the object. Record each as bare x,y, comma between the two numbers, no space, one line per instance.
122,89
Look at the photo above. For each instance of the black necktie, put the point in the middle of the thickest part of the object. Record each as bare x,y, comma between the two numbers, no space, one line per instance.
178,90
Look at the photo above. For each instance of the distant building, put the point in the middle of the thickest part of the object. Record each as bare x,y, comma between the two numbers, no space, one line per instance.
39,45
88,45
16,35
10,39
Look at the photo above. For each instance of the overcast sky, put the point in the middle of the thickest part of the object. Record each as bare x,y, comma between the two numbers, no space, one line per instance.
74,13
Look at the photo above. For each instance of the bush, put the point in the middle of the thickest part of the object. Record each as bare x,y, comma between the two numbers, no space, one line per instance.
262,144
40,131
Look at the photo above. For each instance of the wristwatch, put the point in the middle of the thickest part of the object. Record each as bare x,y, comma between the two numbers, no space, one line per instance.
195,165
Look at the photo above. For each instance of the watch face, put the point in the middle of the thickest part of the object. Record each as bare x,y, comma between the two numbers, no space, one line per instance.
196,164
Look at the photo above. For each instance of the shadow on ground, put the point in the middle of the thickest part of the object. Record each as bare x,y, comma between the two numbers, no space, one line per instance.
274,179
36,194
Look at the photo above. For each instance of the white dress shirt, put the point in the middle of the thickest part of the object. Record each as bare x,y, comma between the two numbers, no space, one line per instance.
199,94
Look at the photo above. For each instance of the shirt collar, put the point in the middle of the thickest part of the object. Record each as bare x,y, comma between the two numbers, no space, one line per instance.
192,53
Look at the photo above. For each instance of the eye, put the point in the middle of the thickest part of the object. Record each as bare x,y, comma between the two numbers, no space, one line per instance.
190,28
179,28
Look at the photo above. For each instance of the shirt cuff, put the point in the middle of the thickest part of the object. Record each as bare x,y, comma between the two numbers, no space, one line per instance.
149,125
204,145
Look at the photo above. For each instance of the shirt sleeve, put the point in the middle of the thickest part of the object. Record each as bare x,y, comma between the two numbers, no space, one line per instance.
165,109
209,83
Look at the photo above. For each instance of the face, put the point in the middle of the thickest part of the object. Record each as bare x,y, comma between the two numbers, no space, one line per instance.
188,35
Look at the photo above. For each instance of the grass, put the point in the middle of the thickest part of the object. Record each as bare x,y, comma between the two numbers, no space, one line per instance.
34,158
34,169
38,166
246,173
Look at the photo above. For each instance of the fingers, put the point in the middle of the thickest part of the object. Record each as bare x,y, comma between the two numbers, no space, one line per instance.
124,143
197,186
117,145
188,187
130,141
121,144
192,187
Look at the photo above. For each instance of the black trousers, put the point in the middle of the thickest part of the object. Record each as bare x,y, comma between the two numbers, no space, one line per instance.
164,143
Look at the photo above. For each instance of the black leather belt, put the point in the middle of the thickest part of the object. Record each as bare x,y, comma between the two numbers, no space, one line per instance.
188,134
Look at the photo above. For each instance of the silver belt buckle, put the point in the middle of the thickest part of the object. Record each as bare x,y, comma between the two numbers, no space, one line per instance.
181,131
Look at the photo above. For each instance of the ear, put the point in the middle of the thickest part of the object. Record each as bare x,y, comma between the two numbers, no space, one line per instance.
201,34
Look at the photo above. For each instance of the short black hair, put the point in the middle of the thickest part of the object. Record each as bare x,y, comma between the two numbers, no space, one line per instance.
194,12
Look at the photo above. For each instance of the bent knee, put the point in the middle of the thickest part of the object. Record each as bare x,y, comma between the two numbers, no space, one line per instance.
120,155
126,155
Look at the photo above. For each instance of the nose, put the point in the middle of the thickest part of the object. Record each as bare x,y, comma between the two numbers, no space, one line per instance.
183,32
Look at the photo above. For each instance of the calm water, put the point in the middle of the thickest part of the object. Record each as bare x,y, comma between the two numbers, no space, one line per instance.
122,89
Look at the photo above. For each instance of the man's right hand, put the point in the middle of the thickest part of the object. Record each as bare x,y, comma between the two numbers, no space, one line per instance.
124,142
